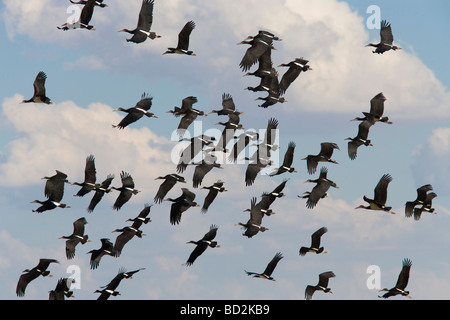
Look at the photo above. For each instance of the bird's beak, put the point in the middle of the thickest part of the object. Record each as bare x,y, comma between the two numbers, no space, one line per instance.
154,116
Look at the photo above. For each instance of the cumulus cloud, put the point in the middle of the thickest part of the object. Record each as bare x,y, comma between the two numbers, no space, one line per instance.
336,50
431,160
60,136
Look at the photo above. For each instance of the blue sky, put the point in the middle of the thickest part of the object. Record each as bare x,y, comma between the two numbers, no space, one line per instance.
91,73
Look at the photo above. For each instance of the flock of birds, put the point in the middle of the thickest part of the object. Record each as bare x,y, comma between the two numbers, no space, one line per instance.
258,53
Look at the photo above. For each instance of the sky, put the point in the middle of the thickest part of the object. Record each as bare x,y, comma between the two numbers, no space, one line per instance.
90,73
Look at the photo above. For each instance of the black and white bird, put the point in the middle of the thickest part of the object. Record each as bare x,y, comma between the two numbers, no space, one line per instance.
322,285
126,234
196,145
402,282
107,248
320,189
376,111
141,109
203,244
39,95
267,274
253,225
76,237
169,182
181,204
127,190
214,190
183,40
110,289
325,154
85,17
295,68
89,177
386,39
419,201
54,191
259,44
142,217
100,190
144,24
62,290
286,166
315,243
380,196
208,163
29,275
360,139
427,206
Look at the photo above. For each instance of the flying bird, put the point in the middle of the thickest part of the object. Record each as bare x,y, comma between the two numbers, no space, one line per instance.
259,44
322,285
203,244
186,105
360,139
376,111
142,218
325,154
380,196
287,161
107,248
258,161
62,290
30,275
127,190
126,234
39,95
267,274
242,142
181,204
253,225
402,282
183,40
315,243
420,199
320,189
145,20
169,182
54,191
194,147
295,68
141,109
386,39
110,289
208,163
100,190
89,177
214,190
426,206
85,17
228,106
76,237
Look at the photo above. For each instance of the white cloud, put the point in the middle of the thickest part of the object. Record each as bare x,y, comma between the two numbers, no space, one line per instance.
330,35
60,136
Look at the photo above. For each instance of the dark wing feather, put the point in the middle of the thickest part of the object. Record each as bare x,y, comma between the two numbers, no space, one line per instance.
386,33
39,84
403,277
183,36
381,189
377,105
315,237
273,263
